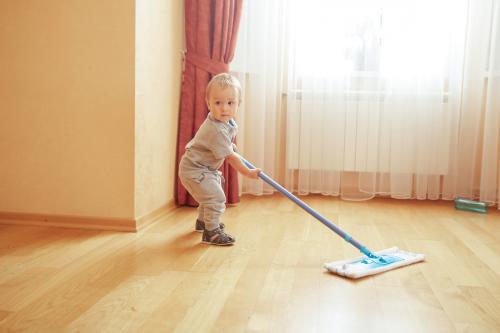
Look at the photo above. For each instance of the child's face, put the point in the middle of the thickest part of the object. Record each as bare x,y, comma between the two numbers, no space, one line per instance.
223,102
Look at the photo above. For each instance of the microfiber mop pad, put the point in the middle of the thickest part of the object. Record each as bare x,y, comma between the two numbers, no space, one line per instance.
363,266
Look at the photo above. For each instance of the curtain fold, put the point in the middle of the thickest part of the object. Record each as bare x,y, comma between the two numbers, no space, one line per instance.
372,98
490,166
211,32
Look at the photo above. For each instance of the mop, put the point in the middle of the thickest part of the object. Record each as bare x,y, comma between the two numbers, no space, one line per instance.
368,264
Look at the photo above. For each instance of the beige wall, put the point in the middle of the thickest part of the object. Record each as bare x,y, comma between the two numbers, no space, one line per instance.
158,73
67,106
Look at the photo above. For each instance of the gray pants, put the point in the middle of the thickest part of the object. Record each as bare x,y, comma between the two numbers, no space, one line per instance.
207,190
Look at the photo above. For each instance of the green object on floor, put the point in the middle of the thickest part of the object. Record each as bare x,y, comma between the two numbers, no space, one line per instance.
471,205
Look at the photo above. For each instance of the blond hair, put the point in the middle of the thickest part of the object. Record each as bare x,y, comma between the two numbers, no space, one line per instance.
224,80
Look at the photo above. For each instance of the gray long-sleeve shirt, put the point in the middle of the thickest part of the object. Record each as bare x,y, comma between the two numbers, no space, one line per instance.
212,143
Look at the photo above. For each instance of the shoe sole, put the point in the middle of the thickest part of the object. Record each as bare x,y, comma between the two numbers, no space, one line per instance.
227,244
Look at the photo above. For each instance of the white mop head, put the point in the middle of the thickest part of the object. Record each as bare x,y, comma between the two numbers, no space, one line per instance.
362,266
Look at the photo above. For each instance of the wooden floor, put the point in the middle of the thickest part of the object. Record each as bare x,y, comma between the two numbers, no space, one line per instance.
164,280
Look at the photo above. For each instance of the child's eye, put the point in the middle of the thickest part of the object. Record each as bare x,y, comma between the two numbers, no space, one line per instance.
230,103
217,103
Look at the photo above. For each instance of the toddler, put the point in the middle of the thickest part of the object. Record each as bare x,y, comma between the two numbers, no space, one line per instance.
205,153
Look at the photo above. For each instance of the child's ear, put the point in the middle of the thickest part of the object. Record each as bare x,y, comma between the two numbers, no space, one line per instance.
208,104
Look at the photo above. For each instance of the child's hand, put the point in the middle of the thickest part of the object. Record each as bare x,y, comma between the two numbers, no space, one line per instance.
253,173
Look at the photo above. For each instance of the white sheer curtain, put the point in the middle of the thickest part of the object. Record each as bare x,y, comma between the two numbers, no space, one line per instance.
361,98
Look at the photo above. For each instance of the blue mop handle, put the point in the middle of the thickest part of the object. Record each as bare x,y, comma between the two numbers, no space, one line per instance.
311,211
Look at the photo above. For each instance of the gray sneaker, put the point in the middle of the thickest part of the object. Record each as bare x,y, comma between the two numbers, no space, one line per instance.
200,226
217,237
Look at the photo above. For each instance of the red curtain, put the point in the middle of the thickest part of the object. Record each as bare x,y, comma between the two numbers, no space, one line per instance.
211,32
